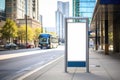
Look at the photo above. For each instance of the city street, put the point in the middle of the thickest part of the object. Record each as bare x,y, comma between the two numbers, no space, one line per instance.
59,39
16,66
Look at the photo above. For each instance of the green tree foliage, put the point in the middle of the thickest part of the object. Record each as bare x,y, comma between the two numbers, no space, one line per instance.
110,37
37,31
22,33
9,30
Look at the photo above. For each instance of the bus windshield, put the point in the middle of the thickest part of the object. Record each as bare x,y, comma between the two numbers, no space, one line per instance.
43,39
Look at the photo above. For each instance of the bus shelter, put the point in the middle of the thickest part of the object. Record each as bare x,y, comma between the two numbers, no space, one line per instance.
76,43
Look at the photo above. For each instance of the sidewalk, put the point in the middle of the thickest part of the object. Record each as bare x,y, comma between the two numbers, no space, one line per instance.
102,67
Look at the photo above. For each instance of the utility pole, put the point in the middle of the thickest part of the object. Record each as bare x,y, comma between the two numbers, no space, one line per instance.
26,19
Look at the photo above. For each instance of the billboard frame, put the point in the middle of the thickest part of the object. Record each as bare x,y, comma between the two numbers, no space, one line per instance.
66,40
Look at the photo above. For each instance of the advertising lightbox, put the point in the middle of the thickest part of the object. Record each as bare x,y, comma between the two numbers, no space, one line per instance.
76,44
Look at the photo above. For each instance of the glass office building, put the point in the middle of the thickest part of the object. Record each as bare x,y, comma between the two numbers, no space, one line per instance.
2,5
61,13
83,8
2,9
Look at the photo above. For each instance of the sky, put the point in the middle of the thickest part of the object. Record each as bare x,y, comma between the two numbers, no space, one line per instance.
47,9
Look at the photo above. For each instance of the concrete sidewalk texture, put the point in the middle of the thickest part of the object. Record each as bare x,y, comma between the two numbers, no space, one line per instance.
101,67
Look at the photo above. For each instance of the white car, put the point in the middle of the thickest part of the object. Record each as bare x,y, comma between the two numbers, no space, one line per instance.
10,46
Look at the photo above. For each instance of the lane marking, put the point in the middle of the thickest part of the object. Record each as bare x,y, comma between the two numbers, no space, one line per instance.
33,71
9,56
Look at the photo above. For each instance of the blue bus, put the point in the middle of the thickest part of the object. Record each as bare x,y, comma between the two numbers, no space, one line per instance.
48,41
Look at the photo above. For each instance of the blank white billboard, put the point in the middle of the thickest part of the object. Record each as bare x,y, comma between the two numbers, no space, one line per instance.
76,41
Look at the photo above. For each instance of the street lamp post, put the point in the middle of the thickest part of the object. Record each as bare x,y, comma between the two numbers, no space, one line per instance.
26,19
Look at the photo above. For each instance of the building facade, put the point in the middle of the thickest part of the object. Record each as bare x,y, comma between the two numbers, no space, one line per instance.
16,9
63,7
106,25
35,9
61,13
83,8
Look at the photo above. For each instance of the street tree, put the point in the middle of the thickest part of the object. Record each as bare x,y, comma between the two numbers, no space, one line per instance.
37,31
22,33
110,37
9,30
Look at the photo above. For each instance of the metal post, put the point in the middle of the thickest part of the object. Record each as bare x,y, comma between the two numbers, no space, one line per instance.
66,45
26,19
87,46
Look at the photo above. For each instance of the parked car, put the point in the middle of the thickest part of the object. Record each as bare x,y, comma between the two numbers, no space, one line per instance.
21,46
30,45
10,46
